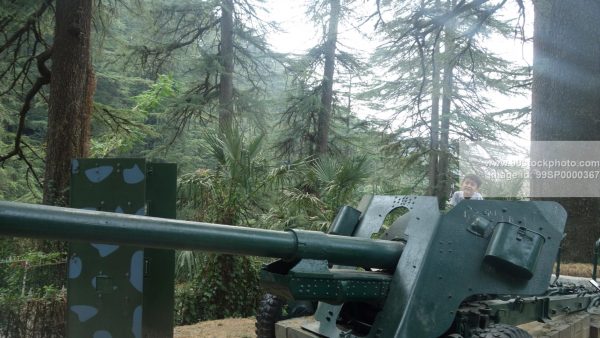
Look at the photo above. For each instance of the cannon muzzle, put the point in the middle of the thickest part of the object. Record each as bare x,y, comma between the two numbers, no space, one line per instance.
48,222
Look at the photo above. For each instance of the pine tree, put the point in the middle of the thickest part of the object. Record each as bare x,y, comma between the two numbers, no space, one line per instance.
313,100
440,66
231,62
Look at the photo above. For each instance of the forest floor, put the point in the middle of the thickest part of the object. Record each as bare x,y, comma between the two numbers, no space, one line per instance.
575,269
244,327
223,328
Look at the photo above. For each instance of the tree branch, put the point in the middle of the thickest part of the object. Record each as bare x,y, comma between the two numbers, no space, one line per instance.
31,21
37,86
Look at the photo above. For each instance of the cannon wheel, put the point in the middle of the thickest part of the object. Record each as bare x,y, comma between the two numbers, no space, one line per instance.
500,331
270,310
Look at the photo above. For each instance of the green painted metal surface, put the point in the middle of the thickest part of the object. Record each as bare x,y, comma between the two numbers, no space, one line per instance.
40,221
105,285
332,286
159,272
443,263
374,210
117,290
345,221
514,248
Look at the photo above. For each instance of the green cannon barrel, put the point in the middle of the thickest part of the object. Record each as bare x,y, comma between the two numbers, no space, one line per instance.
47,222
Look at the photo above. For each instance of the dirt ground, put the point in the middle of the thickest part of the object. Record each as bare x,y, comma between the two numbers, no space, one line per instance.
224,328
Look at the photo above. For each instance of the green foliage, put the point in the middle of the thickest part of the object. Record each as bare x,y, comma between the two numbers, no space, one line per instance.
135,128
29,304
15,186
223,286
187,309
26,275
243,185
338,180
230,286
314,190
20,176
30,316
153,99
228,192
213,293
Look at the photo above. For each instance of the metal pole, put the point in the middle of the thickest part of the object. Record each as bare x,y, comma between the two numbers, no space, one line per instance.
596,254
41,221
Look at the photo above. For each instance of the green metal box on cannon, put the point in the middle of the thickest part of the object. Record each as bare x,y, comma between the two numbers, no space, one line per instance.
117,290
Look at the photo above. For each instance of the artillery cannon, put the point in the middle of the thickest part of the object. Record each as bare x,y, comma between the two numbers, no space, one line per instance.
424,277
428,274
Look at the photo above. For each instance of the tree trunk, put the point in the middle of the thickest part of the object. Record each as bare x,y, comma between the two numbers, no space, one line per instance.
444,153
72,87
434,137
566,100
327,82
226,56
71,92
449,61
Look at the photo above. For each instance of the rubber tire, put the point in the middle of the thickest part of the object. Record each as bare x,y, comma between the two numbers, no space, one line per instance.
500,331
270,310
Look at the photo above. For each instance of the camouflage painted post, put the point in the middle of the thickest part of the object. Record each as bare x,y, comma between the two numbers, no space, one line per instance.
106,281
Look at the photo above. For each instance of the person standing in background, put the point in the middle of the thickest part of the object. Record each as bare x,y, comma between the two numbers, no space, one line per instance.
469,189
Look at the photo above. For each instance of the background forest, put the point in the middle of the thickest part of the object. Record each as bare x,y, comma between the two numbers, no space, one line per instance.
262,138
